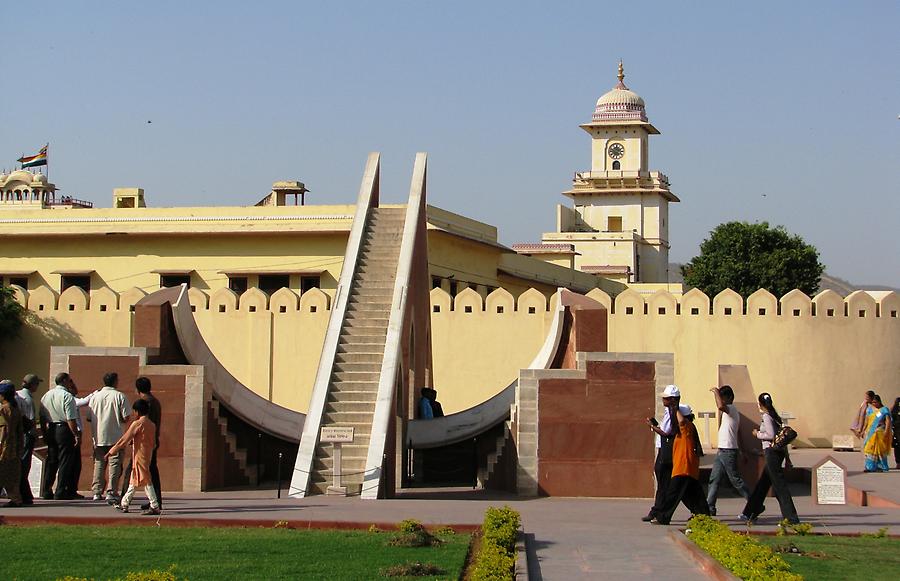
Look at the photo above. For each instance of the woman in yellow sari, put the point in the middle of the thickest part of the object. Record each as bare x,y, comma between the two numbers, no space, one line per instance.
877,437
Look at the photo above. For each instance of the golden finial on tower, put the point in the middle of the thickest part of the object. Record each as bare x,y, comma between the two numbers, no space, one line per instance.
621,71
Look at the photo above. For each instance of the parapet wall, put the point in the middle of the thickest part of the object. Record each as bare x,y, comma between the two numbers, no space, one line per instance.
270,344
815,355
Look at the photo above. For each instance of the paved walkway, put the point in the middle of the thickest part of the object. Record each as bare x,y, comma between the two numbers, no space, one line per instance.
568,538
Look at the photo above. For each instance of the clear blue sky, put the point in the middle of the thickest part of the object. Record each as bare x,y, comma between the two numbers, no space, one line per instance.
778,111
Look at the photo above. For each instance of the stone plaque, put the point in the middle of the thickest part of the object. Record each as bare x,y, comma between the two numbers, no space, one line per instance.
34,477
843,442
830,485
336,435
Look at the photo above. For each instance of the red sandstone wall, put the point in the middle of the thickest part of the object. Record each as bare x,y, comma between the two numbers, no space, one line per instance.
592,439
88,371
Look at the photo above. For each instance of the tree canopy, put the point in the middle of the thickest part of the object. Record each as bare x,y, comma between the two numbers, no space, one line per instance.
11,315
746,257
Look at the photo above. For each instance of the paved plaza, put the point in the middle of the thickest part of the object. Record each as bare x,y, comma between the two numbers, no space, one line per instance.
567,538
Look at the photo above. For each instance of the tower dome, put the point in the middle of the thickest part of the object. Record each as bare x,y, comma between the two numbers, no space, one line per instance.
620,104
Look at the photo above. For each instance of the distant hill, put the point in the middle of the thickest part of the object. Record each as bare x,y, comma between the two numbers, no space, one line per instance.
827,282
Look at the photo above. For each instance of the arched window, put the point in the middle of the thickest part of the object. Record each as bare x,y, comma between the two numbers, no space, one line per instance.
617,165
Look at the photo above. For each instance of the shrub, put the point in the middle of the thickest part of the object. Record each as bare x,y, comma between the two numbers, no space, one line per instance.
741,554
785,528
414,569
501,526
410,525
496,561
444,531
153,575
411,533
879,534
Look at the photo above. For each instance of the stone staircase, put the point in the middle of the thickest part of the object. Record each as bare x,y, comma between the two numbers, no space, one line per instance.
499,446
353,386
239,454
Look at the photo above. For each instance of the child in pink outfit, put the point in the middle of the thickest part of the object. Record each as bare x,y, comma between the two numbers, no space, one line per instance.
142,436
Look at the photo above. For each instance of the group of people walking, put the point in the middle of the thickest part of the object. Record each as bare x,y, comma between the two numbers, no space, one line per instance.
56,418
677,466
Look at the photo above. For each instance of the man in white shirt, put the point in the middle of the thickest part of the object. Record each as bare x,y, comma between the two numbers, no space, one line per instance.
726,461
31,411
63,438
665,431
108,414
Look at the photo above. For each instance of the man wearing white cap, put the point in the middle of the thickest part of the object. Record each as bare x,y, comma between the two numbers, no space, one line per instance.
665,433
685,483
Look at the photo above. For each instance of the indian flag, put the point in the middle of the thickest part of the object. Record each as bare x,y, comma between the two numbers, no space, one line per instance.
35,160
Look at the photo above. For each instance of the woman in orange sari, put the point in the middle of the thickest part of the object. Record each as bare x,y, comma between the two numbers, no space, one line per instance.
142,436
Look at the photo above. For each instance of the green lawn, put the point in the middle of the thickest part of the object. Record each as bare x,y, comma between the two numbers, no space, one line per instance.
841,558
107,552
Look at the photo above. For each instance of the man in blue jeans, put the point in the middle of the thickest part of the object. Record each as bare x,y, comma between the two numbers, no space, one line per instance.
726,461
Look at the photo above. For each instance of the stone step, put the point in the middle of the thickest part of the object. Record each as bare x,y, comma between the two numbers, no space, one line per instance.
349,406
366,305
366,309
364,315
340,366
341,389
377,261
372,285
366,348
360,420
358,447
354,396
349,331
355,375
377,269
373,341
368,291
365,321
359,358
349,465
370,279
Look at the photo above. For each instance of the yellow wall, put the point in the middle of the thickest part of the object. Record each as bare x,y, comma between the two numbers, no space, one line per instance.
478,353
815,367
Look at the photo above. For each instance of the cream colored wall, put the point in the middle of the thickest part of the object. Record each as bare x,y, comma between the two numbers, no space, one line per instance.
478,353
128,261
815,367
631,138
596,210
274,353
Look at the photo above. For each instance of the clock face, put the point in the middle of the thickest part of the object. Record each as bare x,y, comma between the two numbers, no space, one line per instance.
616,150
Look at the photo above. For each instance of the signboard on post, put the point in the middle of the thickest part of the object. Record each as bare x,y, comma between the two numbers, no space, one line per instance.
829,482
336,435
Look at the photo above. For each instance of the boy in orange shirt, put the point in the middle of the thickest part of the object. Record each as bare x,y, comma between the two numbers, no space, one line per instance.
685,484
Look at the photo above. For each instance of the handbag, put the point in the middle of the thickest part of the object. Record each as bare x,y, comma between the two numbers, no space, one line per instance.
785,436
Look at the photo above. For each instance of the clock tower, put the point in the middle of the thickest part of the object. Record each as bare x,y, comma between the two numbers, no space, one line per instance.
618,225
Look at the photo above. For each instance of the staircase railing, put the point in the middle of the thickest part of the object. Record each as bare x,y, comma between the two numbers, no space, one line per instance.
309,438
397,322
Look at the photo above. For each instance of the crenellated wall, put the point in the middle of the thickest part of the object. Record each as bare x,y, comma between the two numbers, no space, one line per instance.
271,344
815,356
481,344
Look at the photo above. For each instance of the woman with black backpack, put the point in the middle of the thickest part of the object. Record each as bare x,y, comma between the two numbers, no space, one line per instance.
775,452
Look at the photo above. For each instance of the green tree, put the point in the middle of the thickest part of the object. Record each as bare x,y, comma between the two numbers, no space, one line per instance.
11,315
746,257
